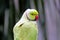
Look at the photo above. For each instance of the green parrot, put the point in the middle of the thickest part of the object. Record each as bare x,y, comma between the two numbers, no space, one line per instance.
26,28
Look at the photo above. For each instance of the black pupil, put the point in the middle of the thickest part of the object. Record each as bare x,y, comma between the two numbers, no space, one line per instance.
32,14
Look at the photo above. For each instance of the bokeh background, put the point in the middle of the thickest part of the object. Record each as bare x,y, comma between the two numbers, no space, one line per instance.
49,17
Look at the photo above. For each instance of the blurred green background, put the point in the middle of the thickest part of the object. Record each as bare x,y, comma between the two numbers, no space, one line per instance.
49,17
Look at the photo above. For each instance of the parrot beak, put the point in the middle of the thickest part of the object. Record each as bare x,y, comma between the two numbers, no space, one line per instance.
36,17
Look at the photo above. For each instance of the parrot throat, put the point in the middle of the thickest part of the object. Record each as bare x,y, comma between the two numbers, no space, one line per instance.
30,19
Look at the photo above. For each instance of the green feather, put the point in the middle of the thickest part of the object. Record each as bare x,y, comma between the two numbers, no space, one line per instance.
25,29
28,31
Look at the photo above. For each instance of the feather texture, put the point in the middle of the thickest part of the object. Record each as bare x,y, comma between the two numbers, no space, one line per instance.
25,29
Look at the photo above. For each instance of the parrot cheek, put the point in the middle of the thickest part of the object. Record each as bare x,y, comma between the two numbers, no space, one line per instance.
32,17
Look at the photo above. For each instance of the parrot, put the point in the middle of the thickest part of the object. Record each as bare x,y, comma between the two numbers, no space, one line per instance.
26,28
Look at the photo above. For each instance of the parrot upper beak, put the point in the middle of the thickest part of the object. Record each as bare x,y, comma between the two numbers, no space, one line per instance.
36,17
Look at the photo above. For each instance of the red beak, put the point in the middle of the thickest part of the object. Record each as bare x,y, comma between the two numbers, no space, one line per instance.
36,17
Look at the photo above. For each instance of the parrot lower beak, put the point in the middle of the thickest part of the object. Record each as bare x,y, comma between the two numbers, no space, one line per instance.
36,17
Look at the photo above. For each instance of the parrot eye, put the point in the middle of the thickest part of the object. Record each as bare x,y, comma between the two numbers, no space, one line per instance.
32,14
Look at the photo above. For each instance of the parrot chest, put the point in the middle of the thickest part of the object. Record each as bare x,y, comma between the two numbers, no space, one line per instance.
27,31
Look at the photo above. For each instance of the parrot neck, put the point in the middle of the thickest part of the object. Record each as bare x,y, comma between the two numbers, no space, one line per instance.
24,18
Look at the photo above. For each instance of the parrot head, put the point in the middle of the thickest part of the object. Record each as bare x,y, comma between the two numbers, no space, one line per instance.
32,15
